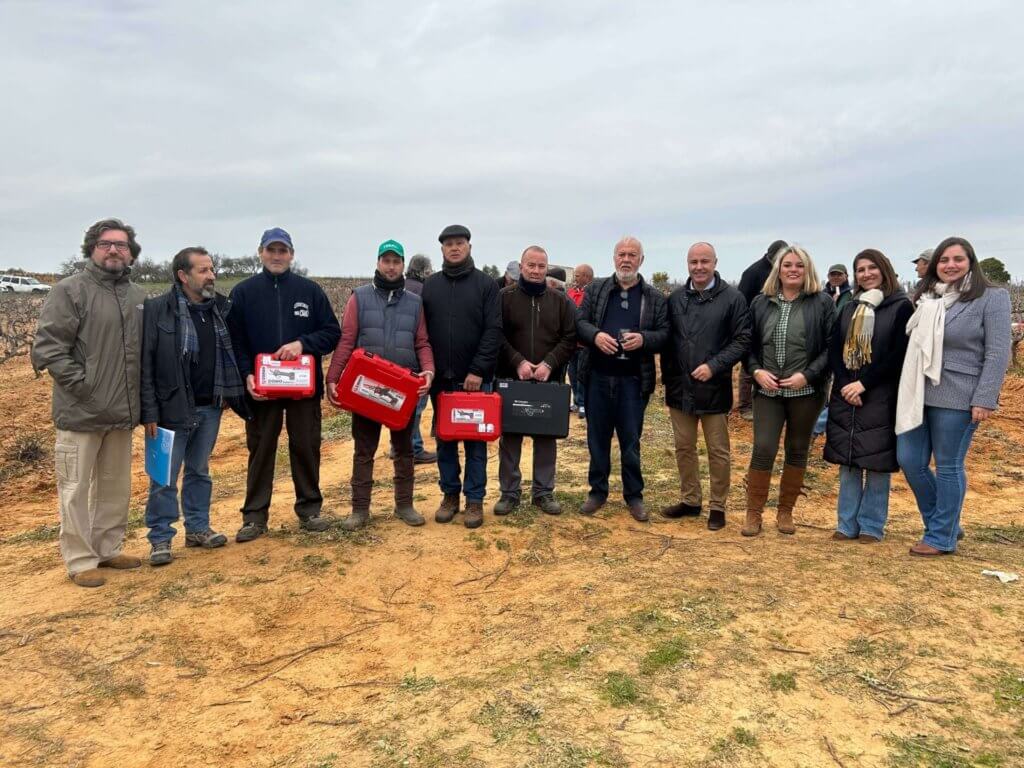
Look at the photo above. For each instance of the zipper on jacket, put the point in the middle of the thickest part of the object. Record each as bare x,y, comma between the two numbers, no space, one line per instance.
533,318
280,321
451,331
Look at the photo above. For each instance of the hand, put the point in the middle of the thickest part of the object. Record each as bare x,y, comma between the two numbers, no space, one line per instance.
332,393
702,372
150,428
606,343
632,341
472,383
979,414
525,370
766,380
250,383
542,372
796,381
428,379
290,351
852,392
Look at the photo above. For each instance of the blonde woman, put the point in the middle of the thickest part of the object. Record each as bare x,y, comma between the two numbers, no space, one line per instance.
792,321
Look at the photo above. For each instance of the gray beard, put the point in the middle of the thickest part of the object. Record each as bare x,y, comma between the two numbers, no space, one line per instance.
627,279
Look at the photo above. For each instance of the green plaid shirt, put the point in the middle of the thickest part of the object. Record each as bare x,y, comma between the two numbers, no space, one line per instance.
779,342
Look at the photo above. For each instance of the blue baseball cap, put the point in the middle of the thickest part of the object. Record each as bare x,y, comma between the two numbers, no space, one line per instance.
276,235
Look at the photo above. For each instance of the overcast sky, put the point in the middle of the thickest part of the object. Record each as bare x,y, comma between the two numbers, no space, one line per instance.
838,125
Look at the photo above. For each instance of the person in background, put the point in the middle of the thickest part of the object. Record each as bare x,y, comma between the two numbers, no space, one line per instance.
286,315
419,270
624,323
189,375
583,276
865,356
751,284
556,281
838,287
921,262
89,338
957,357
792,323
463,314
710,333
511,276
385,319
539,327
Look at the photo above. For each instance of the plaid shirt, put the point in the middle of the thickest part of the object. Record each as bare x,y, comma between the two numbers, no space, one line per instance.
779,342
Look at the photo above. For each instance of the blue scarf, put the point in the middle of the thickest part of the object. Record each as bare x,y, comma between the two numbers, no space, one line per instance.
227,381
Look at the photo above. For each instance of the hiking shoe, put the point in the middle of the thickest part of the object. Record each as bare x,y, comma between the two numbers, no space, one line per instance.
407,514
250,531
122,562
716,519
582,412
160,553
315,524
638,511
89,578
591,505
207,539
448,509
358,519
681,510
547,504
424,457
747,414
474,514
573,408
506,504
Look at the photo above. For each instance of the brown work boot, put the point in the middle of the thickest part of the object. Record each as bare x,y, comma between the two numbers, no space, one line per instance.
591,505
758,482
89,578
638,511
122,562
474,514
789,489
449,508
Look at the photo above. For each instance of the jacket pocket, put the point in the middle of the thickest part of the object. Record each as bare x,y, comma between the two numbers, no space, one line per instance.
959,367
65,459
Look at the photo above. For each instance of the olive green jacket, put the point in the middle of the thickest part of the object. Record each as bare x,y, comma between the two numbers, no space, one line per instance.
89,338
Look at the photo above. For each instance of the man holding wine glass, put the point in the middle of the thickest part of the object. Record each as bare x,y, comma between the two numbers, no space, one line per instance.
622,321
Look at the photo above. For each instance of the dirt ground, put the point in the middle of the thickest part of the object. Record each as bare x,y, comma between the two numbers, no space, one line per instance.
533,641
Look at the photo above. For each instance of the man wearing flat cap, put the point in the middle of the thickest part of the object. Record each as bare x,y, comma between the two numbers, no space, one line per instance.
464,325
286,315
921,262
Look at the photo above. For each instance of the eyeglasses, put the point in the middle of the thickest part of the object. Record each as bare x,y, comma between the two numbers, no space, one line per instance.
106,245
625,299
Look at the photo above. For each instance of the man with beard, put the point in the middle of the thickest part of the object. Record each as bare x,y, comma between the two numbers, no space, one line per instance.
189,375
623,322
464,326
89,338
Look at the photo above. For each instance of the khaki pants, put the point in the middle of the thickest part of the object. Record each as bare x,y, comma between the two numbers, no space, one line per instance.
716,436
94,485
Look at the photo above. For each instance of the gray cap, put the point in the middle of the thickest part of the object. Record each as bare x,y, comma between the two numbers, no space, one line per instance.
838,268
512,270
926,254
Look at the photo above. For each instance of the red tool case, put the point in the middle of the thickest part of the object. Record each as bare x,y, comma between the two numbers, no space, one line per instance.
378,389
468,416
285,379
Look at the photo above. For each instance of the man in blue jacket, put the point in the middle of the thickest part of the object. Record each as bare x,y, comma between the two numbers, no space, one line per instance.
284,314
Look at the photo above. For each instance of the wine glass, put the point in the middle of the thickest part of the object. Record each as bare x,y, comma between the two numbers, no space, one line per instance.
621,339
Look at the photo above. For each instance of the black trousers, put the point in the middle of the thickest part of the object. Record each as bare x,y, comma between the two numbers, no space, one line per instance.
366,435
261,434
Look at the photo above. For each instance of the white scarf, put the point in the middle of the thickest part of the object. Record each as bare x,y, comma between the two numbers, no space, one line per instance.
926,329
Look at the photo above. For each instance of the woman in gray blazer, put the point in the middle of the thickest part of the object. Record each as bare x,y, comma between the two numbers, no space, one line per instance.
957,356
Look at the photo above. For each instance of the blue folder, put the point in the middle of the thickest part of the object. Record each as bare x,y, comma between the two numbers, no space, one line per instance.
158,455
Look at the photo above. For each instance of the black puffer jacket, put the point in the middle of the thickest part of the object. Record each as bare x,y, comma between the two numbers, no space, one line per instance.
712,327
464,325
819,319
864,437
653,327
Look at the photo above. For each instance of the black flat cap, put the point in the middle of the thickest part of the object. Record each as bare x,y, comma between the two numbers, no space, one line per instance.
557,272
453,230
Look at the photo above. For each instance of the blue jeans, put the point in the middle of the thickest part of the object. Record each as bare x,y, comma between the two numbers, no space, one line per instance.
450,471
578,396
821,423
863,502
947,434
417,438
617,406
193,448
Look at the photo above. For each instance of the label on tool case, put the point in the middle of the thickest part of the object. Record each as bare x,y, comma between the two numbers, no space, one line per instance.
273,376
467,416
378,393
531,409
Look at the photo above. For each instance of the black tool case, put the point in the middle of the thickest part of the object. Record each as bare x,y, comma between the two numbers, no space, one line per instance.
535,408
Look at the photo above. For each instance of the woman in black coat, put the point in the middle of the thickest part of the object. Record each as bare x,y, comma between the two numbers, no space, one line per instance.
866,355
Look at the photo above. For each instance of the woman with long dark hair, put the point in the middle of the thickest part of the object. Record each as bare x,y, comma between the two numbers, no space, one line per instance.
866,356
957,356
792,321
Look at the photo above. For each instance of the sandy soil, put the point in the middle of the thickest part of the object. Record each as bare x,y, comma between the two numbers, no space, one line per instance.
533,641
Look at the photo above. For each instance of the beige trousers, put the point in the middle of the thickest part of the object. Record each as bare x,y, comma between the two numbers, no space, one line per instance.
94,486
716,436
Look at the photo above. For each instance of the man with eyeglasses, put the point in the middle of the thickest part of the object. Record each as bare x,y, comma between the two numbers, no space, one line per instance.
623,322
283,314
89,339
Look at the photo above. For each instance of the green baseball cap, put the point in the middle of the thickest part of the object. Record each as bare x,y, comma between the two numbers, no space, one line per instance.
391,246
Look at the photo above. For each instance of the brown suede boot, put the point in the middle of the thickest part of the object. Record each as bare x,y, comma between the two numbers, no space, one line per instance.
449,508
474,514
789,489
122,562
89,578
758,482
